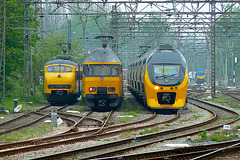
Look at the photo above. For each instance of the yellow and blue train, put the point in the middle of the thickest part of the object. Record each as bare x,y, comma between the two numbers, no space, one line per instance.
102,79
62,81
159,78
201,75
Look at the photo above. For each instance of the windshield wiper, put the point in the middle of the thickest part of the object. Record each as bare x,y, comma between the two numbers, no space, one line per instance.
166,76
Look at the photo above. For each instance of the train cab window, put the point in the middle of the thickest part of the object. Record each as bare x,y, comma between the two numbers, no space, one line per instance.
59,68
87,70
101,70
51,69
166,70
115,70
104,70
68,69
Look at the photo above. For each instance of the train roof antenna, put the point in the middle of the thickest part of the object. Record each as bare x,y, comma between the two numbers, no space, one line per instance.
104,39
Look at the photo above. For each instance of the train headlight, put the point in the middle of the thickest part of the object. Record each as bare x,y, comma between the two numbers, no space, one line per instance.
111,89
92,89
157,87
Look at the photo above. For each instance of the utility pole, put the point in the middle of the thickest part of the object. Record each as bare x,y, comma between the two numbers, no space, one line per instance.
69,39
26,50
114,29
2,54
213,45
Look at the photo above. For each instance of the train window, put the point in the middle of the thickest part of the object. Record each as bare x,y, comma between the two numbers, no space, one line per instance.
101,70
166,70
51,69
115,70
68,69
200,71
144,61
87,70
59,68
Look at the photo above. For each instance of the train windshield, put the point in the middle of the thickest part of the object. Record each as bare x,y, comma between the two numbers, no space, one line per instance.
101,70
59,68
166,70
201,72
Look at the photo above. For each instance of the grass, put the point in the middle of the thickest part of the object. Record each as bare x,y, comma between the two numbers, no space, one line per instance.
184,120
221,99
98,139
235,106
148,131
80,108
237,127
129,105
127,116
127,133
196,116
231,117
27,133
218,136
9,103
221,136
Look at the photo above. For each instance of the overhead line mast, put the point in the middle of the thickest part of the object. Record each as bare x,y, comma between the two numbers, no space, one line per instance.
27,51
2,53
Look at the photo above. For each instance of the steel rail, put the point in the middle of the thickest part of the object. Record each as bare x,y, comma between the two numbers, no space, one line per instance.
105,123
25,125
74,127
68,135
219,151
174,137
43,143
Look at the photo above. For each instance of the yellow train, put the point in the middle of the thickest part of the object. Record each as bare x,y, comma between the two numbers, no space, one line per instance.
102,79
62,81
159,78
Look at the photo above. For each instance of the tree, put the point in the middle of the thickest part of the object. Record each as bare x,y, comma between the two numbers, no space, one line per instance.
14,42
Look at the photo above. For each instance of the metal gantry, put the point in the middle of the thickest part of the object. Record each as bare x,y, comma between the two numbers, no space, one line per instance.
2,53
151,22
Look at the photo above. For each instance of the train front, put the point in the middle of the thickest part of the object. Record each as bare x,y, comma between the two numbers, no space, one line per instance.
102,79
201,75
166,80
60,81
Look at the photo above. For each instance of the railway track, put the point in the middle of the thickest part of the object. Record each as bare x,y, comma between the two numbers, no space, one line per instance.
24,120
194,152
131,144
74,137
29,119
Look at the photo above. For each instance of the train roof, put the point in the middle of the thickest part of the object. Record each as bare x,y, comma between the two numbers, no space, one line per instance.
167,56
201,69
162,54
61,61
102,55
